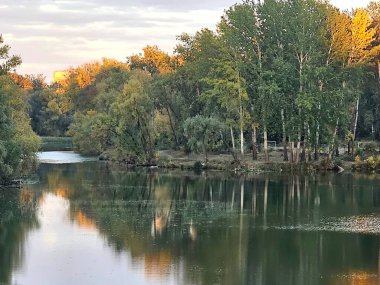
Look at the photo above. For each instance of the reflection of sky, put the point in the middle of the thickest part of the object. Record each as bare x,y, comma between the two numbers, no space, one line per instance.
57,157
62,252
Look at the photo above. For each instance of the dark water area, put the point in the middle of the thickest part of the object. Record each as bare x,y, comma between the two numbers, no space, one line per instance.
89,223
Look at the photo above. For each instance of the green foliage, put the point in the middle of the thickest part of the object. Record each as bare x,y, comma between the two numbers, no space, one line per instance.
133,111
56,143
18,143
293,69
202,133
7,62
50,111
372,163
91,132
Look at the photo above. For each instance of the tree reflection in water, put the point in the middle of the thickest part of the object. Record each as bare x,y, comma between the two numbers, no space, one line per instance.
17,219
222,229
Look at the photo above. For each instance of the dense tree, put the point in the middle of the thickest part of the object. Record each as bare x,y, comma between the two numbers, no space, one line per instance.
18,143
134,111
153,61
203,133
290,70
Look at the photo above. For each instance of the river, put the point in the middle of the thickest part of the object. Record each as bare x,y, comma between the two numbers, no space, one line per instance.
85,222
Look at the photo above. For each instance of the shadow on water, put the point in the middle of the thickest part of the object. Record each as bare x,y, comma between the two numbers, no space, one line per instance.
17,219
217,229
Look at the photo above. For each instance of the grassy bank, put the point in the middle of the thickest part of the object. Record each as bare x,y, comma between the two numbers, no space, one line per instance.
170,159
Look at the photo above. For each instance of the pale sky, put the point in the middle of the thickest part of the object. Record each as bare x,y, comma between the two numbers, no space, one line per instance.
56,34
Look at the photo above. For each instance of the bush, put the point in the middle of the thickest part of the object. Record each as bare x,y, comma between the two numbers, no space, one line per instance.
370,148
198,166
369,164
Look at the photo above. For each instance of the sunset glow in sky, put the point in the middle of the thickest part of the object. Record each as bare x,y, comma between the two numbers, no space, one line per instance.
52,35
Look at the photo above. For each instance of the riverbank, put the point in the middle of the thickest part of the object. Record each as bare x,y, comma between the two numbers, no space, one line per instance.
170,159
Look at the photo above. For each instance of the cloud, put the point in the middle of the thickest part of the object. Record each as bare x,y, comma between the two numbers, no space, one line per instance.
53,35
350,4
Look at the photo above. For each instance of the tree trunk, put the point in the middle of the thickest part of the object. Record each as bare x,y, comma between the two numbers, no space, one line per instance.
173,130
316,146
305,156
332,143
266,154
241,118
233,141
285,152
307,144
254,142
241,141
205,152
298,151
356,118
316,151
292,158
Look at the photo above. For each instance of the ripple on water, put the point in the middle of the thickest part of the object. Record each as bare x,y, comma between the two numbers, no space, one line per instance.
365,224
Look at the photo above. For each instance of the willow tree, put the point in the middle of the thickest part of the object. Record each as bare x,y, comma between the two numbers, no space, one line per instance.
203,133
133,113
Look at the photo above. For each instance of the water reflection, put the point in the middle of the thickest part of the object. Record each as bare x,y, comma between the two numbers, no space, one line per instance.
17,219
180,228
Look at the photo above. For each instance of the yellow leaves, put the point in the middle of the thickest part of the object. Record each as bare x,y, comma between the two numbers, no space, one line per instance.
91,113
161,123
351,39
154,60
339,35
85,74
371,162
23,81
362,37
108,63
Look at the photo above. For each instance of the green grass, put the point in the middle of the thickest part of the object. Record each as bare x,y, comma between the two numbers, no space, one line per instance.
56,143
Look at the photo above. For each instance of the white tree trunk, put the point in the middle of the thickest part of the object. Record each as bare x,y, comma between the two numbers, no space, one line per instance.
266,144
233,140
241,141
332,144
356,117
284,135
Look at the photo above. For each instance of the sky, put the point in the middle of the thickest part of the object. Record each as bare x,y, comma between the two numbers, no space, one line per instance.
57,34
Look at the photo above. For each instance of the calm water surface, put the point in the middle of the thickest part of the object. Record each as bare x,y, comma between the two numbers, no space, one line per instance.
88,223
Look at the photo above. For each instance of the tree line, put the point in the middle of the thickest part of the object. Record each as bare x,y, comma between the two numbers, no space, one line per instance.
299,72
18,142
